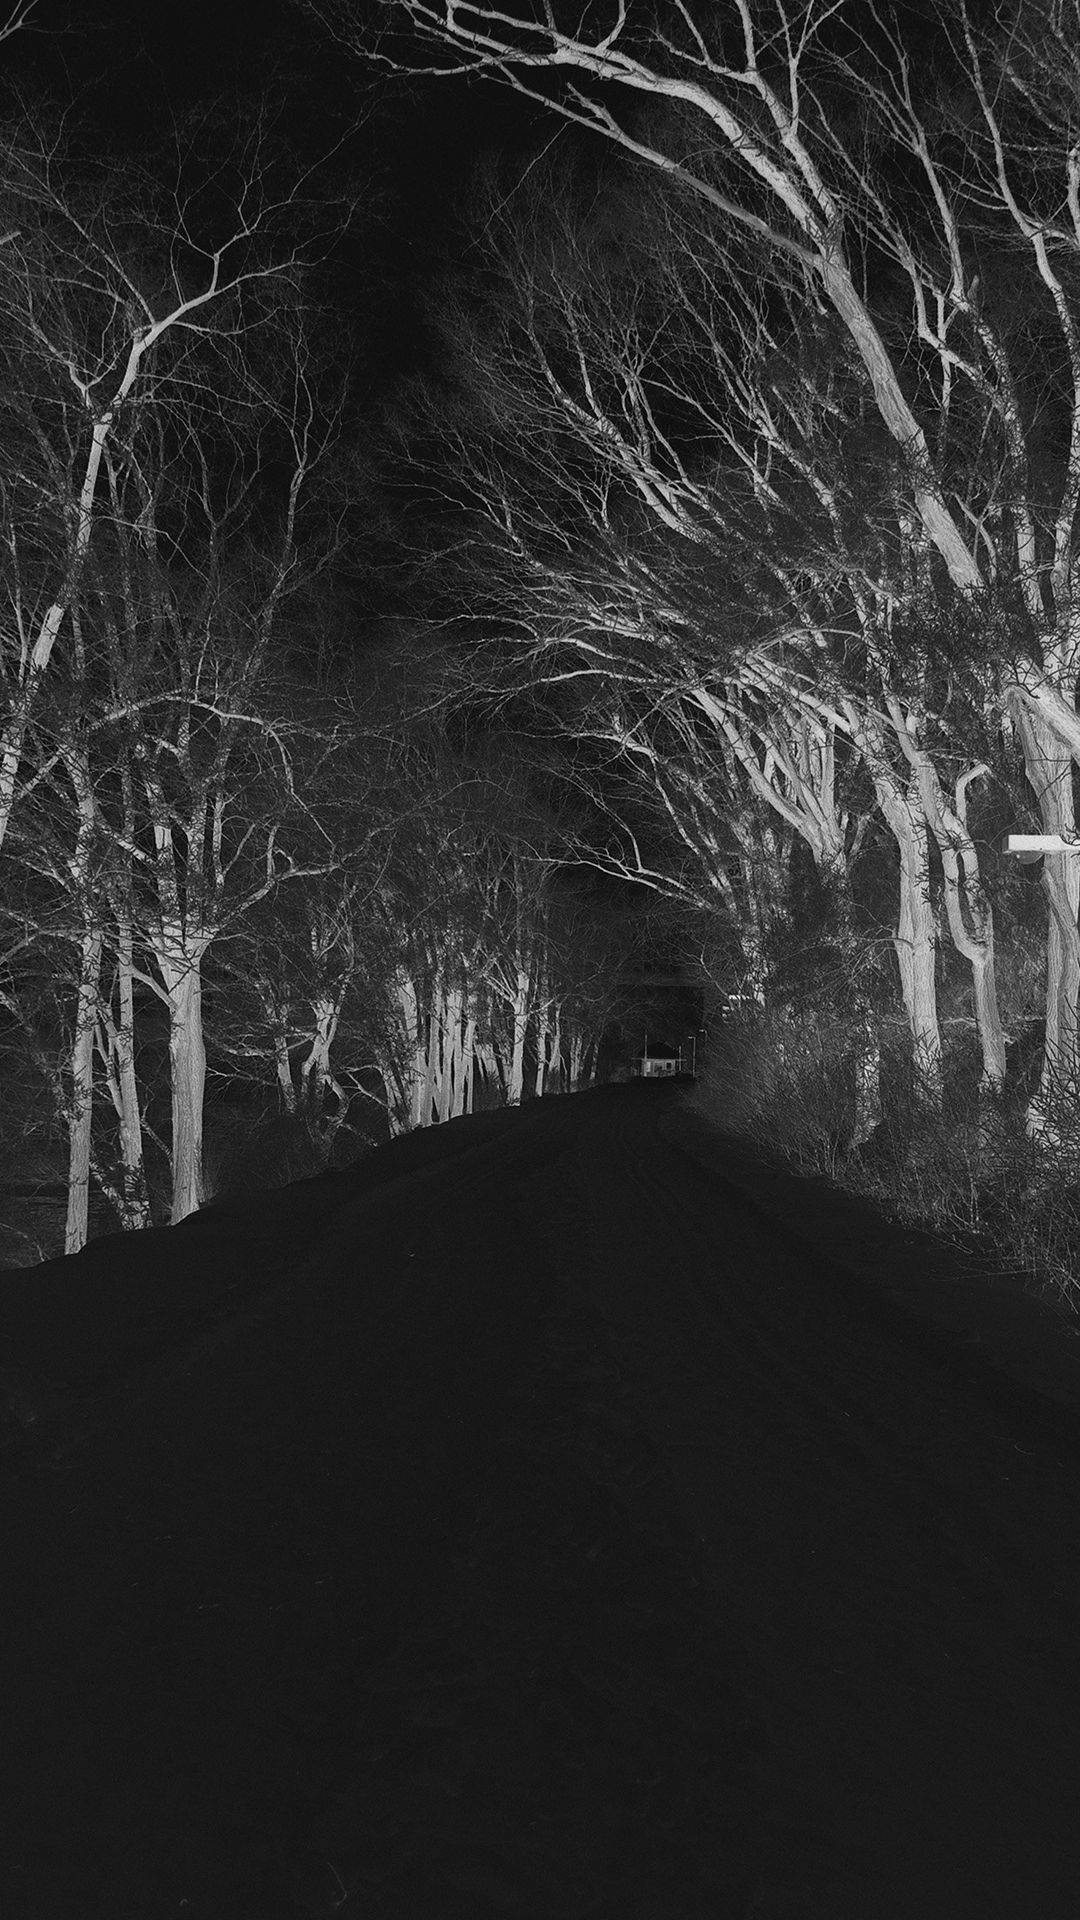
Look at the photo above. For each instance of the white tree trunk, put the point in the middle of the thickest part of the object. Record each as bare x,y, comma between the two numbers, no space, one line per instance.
973,935
117,1046
80,1104
180,967
543,1038
556,1054
315,1071
136,1197
424,1083
915,940
975,941
1050,774
411,1077
515,1080
468,1050
80,1109
443,1045
187,1061
283,1066
458,1027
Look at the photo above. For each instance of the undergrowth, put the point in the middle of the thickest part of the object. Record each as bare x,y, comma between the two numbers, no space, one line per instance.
965,1168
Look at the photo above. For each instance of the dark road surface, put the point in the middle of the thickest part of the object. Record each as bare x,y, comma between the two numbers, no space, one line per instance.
560,1514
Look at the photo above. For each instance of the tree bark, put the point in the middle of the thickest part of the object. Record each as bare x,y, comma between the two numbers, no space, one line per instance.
187,1060
556,1054
515,1080
180,967
543,1037
136,1197
80,1109
117,1047
1050,774
579,1059
915,939
468,1052
282,1062
973,935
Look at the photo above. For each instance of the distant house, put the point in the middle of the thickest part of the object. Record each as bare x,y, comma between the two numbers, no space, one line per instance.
660,1062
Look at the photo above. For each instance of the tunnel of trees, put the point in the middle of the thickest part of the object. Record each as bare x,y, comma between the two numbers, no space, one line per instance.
697,607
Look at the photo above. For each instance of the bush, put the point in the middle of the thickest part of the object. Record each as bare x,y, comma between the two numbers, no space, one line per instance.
784,1079
780,1078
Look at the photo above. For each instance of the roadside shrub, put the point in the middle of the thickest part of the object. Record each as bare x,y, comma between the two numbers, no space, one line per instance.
779,1077
969,1171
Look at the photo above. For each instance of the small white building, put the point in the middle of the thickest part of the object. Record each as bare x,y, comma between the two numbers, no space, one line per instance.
659,1062
656,1066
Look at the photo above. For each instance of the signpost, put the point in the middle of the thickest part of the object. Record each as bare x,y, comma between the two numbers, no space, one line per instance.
1032,846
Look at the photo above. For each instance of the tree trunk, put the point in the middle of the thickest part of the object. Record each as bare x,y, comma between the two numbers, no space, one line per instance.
187,1062
761,862
988,1021
516,1077
973,932
488,1061
118,1054
543,1034
283,1065
315,1070
915,940
555,1056
1049,771
468,1056
80,1106
426,1064
80,1109
451,1074
414,1082
179,962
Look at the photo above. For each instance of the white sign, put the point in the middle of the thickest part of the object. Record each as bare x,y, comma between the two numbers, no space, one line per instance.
1040,843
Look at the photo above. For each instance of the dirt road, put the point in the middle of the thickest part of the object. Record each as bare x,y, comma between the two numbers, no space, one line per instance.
562,1514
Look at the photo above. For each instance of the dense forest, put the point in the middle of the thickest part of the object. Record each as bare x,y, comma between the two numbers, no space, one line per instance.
672,640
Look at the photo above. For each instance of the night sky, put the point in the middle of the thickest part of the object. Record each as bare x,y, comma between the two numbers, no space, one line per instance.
404,150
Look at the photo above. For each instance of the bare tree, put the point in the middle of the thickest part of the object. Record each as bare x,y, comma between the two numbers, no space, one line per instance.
168,723
71,943
464,966
111,295
56,936
19,15
693,647
299,983
785,99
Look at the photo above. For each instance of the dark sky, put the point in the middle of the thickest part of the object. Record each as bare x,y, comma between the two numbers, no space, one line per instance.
122,63
404,150
128,69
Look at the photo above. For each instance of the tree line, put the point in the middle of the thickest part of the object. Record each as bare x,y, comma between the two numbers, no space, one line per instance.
739,513
229,841
770,441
